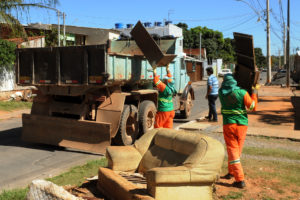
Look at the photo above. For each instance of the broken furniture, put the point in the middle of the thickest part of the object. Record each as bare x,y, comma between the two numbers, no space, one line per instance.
175,164
246,72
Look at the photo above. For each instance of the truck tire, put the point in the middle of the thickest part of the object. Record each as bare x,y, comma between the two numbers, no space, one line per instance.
147,112
186,112
128,130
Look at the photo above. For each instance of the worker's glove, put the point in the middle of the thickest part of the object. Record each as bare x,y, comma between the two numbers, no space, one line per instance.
255,89
154,71
167,69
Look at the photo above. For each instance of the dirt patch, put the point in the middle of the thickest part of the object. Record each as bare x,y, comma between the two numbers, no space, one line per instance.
272,111
256,188
3,112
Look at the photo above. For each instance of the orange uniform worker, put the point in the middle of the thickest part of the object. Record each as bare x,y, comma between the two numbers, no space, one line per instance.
234,101
165,111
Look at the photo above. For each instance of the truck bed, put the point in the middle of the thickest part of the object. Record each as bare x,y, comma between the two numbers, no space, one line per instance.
95,65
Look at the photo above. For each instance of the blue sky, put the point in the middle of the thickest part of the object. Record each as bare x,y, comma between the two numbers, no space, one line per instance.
227,16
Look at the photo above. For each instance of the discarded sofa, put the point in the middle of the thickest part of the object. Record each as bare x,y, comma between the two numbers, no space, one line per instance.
174,164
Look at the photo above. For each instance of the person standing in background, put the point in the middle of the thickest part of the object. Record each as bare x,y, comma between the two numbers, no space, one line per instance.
212,94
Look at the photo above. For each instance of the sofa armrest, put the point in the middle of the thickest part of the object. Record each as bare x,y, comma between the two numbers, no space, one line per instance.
123,158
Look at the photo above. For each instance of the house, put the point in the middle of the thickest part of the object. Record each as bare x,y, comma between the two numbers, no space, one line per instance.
30,42
196,53
76,35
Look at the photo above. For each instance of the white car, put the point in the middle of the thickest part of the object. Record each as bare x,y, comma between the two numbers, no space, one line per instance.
225,71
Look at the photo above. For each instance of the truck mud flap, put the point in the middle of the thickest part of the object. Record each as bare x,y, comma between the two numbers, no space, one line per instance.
84,135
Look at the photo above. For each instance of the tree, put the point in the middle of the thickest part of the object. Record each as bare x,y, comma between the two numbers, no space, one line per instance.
260,59
7,7
228,52
212,41
7,54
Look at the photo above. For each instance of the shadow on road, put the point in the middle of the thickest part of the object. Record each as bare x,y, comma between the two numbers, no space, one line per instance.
272,100
12,137
275,117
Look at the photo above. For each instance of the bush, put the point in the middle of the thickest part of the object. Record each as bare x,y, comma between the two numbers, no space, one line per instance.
7,55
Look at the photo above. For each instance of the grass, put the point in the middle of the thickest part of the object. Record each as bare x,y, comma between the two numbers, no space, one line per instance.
280,176
15,194
233,195
278,153
75,176
286,173
14,105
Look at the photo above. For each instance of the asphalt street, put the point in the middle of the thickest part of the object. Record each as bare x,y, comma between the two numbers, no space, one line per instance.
200,104
21,162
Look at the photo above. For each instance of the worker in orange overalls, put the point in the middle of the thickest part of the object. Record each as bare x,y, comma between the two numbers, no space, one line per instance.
166,90
234,101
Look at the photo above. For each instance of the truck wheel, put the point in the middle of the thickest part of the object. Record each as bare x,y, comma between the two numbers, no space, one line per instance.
128,129
147,112
188,104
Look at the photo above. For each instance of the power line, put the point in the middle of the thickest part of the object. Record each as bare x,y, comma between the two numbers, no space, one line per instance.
281,11
213,19
237,25
259,4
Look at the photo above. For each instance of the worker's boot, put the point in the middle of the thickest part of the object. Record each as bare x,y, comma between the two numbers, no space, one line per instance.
227,176
239,184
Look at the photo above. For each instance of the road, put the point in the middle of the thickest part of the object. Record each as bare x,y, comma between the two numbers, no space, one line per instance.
22,162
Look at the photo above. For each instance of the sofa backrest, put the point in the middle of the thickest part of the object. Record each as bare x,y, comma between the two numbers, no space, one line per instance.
171,148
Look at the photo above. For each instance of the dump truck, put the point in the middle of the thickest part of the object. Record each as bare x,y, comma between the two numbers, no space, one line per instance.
89,97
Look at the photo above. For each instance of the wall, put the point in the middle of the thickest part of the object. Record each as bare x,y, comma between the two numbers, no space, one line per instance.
7,81
36,43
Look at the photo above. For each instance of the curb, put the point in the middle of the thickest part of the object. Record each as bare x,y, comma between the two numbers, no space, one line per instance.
216,131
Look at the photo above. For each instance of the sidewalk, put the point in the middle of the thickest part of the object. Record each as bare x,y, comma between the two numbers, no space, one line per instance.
275,116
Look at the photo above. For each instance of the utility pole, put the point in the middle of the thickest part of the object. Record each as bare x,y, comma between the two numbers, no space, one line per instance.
279,60
58,28
268,44
284,45
64,28
200,48
288,46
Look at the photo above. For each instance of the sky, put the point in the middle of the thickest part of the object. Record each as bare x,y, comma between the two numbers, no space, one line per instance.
227,16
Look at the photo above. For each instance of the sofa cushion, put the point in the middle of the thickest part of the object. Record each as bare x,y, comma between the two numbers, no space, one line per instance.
160,157
164,138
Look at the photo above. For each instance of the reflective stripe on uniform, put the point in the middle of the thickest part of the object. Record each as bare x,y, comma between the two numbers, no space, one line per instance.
252,105
236,112
165,100
234,161
158,82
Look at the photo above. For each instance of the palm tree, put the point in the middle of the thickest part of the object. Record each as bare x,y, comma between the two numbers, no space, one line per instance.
19,7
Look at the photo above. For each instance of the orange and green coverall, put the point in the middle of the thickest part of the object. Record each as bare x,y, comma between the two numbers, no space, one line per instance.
165,111
234,101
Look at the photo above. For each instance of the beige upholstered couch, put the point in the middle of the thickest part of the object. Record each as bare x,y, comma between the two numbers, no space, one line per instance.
176,165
